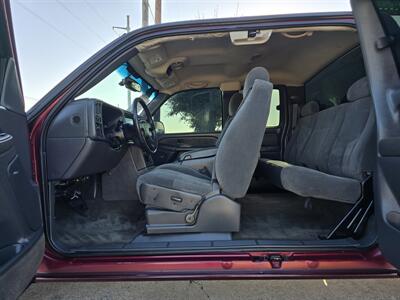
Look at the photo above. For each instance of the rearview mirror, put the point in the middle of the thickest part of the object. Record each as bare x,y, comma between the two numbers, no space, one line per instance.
131,84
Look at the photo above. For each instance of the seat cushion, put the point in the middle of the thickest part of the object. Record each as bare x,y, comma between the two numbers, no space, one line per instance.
173,187
179,177
308,182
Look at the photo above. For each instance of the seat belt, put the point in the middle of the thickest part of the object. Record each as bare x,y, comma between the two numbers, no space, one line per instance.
295,115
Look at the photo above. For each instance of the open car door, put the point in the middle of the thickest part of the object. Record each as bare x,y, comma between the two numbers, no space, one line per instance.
378,26
21,230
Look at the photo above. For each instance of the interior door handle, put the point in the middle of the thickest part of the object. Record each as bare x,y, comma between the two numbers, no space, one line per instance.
6,142
181,143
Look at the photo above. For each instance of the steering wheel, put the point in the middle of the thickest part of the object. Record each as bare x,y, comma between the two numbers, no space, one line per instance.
145,127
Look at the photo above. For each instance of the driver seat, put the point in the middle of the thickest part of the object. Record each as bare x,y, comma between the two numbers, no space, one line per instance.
180,199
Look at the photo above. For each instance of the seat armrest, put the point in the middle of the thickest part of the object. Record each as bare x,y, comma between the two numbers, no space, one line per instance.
198,154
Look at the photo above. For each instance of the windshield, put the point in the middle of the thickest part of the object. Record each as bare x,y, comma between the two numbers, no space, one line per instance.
112,90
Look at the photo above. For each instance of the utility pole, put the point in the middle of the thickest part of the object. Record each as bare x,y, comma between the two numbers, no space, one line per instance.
127,28
158,12
145,13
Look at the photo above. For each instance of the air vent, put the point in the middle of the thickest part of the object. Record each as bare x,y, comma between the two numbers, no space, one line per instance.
99,120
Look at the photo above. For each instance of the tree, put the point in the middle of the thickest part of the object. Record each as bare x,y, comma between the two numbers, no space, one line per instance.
200,109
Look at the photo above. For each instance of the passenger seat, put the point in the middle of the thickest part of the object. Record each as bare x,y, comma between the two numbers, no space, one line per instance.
203,159
330,152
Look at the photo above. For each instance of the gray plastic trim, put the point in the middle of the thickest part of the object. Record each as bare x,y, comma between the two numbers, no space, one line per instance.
216,214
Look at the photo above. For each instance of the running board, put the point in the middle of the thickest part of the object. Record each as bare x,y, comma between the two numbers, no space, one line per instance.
355,221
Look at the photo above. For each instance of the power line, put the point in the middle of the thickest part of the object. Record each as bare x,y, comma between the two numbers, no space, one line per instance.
145,13
96,12
94,9
151,11
80,20
52,26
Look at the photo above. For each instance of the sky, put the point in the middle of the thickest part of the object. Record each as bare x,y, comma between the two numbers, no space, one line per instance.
53,37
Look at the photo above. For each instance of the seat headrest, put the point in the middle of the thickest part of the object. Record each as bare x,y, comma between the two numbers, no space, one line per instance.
255,73
310,108
358,90
234,103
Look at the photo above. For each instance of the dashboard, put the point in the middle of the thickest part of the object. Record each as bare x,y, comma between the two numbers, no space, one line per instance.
87,137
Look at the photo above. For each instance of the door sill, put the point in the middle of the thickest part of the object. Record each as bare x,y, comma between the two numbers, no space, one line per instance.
153,247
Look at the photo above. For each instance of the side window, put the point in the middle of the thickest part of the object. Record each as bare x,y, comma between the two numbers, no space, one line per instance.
194,111
274,112
329,87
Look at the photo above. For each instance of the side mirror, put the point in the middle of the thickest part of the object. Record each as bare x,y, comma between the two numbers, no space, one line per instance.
160,129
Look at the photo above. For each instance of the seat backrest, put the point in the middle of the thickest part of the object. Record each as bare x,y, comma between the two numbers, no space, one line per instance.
234,103
305,125
339,140
239,149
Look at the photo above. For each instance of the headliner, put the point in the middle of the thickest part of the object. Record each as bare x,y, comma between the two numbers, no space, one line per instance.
212,60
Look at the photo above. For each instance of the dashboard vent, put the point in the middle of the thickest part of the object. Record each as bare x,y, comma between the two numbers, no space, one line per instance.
99,120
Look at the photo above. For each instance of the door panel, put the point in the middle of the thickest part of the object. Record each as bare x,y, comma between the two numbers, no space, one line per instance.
384,81
170,145
21,232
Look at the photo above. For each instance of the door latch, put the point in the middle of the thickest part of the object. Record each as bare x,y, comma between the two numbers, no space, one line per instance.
275,261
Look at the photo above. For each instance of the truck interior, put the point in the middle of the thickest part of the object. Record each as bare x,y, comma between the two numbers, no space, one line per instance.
221,140
215,149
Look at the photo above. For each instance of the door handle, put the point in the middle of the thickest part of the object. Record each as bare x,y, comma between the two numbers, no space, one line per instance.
6,142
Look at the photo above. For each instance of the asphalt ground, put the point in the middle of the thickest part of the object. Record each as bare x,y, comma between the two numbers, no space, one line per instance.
364,289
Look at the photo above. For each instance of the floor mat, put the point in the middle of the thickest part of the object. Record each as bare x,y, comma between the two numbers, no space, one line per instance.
283,216
106,224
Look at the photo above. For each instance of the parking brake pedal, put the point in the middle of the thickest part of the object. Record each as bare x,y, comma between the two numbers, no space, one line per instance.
77,203
71,193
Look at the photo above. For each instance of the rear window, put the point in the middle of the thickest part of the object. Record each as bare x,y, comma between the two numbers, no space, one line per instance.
329,86
274,112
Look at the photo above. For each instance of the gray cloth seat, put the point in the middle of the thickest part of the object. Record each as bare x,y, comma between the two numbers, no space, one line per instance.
181,199
331,151
308,182
176,182
203,159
